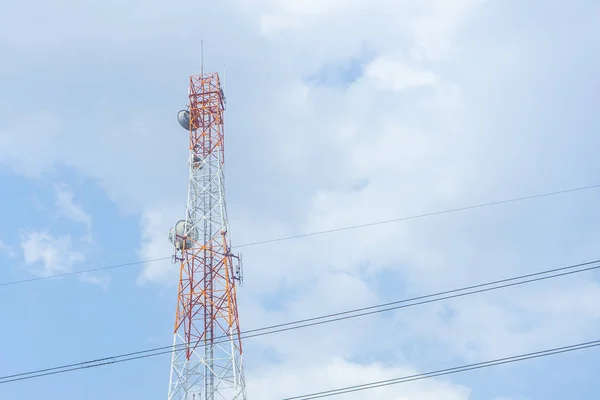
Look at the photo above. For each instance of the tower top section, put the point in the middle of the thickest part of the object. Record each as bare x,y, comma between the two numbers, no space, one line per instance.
205,89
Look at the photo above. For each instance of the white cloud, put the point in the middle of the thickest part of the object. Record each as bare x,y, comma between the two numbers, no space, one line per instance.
48,255
319,358
338,373
395,75
520,319
4,248
67,208
101,281
154,245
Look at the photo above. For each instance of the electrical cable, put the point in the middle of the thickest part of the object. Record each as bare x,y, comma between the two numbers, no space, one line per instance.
41,278
447,371
350,314
431,214
389,221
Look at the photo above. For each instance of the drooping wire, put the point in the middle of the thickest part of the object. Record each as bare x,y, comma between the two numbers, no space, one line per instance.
447,371
431,214
41,278
324,319
346,228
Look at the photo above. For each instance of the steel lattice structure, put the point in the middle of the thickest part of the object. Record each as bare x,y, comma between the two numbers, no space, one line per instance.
207,348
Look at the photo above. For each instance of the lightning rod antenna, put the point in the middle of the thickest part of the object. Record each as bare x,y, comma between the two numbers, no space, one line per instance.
224,86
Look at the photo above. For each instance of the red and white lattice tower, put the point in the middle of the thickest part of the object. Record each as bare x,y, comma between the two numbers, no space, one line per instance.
207,348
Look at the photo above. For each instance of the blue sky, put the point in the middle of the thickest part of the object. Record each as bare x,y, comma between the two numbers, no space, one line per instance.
338,114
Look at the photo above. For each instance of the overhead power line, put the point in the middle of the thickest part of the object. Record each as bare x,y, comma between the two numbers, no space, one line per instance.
329,318
346,228
448,371
431,214
41,278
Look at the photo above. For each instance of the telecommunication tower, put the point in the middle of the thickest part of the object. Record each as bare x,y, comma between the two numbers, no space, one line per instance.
207,347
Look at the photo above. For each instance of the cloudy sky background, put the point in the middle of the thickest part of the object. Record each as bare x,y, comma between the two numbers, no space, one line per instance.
339,113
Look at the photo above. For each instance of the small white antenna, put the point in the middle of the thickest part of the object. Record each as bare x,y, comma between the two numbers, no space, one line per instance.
202,57
224,86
